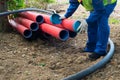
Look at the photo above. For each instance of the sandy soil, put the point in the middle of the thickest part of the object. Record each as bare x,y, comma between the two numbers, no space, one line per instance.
54,59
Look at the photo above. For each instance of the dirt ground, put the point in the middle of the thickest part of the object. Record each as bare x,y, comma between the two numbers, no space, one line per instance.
54,59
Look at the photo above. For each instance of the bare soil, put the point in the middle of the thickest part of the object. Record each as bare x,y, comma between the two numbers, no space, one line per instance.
53,59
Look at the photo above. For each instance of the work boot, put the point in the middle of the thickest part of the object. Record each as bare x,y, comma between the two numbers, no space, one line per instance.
94,56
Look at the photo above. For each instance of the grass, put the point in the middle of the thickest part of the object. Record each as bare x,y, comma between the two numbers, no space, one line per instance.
42,4
114,21
62,2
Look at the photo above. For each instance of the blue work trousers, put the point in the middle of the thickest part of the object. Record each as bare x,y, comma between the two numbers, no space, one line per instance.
99,31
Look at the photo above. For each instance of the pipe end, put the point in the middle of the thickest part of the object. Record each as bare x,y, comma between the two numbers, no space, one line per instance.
64,35
27,33
76,25
34,26
40,19
55,19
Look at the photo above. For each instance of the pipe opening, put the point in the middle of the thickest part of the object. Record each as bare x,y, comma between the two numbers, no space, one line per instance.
76,25
34,27
54,18
27,34
72,34
64,35
40,19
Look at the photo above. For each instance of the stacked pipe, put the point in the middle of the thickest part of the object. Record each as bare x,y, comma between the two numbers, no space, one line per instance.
49,25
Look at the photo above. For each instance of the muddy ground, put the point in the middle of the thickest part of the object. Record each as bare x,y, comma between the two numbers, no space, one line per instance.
53,59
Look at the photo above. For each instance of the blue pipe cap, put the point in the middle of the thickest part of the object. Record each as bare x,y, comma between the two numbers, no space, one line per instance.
76,25
55,19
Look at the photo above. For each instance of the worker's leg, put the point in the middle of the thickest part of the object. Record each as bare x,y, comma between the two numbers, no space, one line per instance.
92,37
103,33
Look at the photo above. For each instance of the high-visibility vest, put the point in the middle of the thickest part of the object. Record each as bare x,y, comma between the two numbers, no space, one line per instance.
88,3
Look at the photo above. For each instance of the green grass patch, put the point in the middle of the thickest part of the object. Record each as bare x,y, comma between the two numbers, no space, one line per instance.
42,64
114,21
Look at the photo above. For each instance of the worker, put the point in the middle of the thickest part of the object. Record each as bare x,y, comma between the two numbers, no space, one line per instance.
98,30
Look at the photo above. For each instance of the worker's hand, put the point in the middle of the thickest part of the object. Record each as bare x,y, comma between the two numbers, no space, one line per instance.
83,26
62,17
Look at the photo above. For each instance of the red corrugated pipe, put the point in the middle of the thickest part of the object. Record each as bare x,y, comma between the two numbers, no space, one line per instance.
34,17
72,34
54,31
21,29
71,24
50,19
28,23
